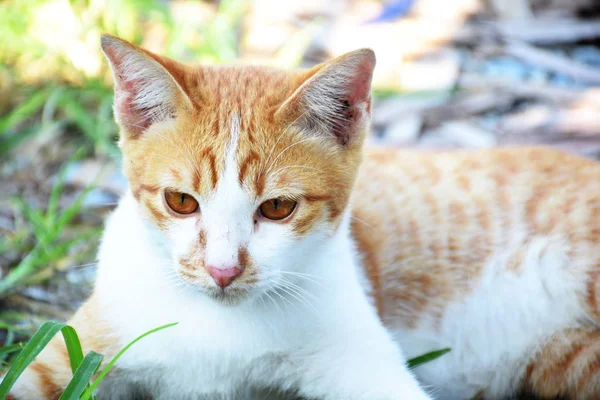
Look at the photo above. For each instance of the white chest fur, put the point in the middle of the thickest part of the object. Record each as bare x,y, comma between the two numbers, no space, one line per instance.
214,346
331,347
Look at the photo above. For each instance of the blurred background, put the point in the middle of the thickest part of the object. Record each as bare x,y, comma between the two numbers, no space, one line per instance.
450,74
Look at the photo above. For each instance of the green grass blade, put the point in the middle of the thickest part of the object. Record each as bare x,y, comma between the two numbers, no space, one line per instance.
9,142
35,345
89,392
59,186
61,249
34,217
26,110
81,377
10,337
73,346
425,358
15,328
12,348
17,274
72,210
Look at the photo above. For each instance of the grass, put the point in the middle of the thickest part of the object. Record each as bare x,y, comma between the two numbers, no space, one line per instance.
81,385
47,227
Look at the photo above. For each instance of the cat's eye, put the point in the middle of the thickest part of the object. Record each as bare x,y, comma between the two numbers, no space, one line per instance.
181,203
277,209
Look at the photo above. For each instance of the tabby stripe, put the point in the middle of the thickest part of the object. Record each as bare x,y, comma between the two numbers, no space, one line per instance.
260,185
210,157
592,299
591,371
161,219
526,382
567,359
196,180
243,257
144,188
317,197
175,173
250,158
48,387
302,225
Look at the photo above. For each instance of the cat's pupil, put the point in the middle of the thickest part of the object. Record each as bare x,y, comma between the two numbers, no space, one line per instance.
182,197
276,204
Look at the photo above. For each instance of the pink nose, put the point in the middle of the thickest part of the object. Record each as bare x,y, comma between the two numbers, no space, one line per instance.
224,276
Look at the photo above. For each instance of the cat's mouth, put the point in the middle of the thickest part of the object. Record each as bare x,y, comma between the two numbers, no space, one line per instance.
231,295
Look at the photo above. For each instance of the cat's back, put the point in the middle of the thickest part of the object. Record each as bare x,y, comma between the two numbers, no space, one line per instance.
432,220
464,249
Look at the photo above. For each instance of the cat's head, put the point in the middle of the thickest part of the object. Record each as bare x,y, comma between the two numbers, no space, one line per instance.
244,170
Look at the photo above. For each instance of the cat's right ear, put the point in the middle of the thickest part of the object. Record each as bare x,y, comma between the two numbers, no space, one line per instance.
334,99
148,87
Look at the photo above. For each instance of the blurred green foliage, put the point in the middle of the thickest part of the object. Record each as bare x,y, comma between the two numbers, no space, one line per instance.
55,89
54,72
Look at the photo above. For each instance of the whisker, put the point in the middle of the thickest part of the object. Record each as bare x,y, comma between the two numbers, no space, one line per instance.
307,277
285,130
362,222
284,285
297,166
283,298
302,290
83,266
273,301
290,146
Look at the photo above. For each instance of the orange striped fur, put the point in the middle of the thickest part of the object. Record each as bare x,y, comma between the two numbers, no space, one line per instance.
429,227
428,223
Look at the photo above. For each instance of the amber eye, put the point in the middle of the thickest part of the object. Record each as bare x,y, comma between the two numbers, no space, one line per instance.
277,209
181,203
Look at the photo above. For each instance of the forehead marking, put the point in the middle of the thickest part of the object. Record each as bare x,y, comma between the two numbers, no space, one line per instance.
208,155
229,172
252,157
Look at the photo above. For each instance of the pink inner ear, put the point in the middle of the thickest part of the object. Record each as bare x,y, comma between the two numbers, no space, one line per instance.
356,91
360,88
134,119
129,115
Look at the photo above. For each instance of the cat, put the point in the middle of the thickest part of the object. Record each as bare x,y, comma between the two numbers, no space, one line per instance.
236,225
293,259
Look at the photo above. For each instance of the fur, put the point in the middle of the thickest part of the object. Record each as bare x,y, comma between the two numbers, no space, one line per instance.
493,253
297,319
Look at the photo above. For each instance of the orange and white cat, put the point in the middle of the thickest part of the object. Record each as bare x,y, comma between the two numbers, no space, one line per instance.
289,265
236,226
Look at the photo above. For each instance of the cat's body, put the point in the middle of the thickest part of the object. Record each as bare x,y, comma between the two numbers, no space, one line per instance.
493,253
224,349
470,251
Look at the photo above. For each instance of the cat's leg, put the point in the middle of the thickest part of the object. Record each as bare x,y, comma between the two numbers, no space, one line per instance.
568,366
361,369
50,373
355,358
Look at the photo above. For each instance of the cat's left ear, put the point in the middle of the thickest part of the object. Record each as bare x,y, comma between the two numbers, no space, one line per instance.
148,87
335,97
